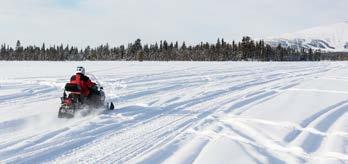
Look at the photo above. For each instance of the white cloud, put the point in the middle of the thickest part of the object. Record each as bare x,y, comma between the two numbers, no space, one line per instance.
95,22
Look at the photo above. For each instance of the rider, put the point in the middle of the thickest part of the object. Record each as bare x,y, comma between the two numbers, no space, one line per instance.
88,88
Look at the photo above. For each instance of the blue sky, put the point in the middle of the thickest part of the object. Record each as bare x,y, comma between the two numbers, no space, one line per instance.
94,22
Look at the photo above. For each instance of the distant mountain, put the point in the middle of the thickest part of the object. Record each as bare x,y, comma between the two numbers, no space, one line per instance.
330,38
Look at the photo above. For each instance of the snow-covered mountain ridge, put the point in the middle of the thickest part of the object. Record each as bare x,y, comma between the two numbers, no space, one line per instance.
331,38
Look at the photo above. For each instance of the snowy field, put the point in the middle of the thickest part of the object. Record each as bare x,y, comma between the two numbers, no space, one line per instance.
179,112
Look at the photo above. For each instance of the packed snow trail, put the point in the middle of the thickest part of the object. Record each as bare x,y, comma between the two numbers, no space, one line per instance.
179,112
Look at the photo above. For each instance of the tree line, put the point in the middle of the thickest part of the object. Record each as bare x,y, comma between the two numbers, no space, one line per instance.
244,50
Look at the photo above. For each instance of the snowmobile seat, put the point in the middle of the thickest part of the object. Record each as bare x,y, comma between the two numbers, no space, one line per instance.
71,87
72,93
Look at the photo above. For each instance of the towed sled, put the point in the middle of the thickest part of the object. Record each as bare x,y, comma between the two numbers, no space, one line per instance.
73,101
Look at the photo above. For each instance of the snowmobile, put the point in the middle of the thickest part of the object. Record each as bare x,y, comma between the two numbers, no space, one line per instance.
73,101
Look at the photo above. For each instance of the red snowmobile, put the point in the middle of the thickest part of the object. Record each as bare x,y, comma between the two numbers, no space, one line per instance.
73,101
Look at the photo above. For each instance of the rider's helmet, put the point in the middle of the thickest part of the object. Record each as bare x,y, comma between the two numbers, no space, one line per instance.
81,70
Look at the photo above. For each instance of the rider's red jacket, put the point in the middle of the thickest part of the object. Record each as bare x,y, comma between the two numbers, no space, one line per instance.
83,81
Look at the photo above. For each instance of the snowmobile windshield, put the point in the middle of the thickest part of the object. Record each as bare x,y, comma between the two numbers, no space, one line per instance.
93,79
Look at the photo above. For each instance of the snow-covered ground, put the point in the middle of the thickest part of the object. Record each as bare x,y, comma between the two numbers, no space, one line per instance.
179,112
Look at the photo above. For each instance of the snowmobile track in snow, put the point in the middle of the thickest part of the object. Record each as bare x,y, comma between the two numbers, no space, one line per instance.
164,113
